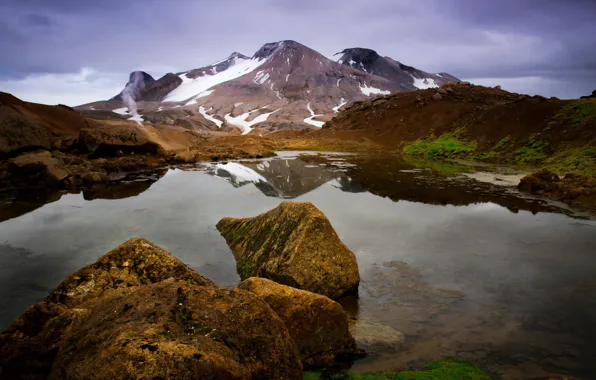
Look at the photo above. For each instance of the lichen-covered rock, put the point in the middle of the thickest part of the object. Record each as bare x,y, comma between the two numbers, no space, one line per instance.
29,345
173,330
294,244
318,325
136,262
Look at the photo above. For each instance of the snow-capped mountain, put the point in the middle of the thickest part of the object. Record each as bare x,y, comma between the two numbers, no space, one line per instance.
408,78
283,85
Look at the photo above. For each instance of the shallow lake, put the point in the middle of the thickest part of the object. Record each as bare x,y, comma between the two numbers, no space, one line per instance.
450,266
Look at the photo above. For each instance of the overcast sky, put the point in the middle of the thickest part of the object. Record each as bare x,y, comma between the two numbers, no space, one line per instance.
77,51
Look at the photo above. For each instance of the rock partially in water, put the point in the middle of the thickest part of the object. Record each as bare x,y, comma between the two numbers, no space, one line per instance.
318,325
39,164
138,304
574,189
175,330
539,181
294,244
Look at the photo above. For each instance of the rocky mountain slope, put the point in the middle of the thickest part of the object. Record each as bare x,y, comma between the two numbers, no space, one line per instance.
283,85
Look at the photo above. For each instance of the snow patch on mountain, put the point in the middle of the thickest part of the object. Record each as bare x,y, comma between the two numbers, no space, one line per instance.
342,103
261,77
368,91
203,112
201,95
242,123
276,92
309,120
424,83
138,118
121,111
191,87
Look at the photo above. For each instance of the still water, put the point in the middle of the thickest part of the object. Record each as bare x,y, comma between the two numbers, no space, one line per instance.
449,266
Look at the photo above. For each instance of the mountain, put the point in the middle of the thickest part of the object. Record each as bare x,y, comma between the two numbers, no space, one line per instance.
408,78
137,81
283,85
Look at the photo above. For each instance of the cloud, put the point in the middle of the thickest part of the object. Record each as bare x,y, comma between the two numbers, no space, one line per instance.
548,39
71,89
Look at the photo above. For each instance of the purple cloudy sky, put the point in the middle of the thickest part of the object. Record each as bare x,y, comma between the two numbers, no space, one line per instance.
76,51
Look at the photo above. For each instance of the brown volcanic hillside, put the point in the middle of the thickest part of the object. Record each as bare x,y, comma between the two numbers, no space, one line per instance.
504,126
27,126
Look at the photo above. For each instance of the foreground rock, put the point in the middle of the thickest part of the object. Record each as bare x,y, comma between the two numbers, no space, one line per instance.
139,312
294,244
318,325
574,189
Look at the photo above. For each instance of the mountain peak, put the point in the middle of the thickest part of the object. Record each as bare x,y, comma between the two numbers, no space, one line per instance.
358,58
271,48
137,80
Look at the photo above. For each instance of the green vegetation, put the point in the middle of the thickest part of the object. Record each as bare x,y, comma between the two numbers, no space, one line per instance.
577,114
446,145
534,151
440,370
573,159
496,152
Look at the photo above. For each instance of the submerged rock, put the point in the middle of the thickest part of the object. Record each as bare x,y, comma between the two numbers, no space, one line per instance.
318,325
371,334
139,312
294,244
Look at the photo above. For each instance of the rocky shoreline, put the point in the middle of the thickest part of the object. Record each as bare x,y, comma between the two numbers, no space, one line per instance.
55,147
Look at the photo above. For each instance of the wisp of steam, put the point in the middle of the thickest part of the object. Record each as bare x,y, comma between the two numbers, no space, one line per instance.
128,96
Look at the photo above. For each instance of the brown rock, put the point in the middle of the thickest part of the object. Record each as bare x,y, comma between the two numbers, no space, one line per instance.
294,244
173,330
40,162
318,325
541,180
94,177
442,91
138,304
437,96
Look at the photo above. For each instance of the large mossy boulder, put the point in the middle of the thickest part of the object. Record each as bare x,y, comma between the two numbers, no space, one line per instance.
173,330
318,325
294,244
139,312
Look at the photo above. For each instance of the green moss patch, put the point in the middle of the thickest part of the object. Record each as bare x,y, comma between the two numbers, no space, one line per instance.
577,114
446,145
534,151
440,370
572,160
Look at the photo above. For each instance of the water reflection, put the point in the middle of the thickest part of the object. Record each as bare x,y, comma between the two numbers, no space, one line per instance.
280,178
448,265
